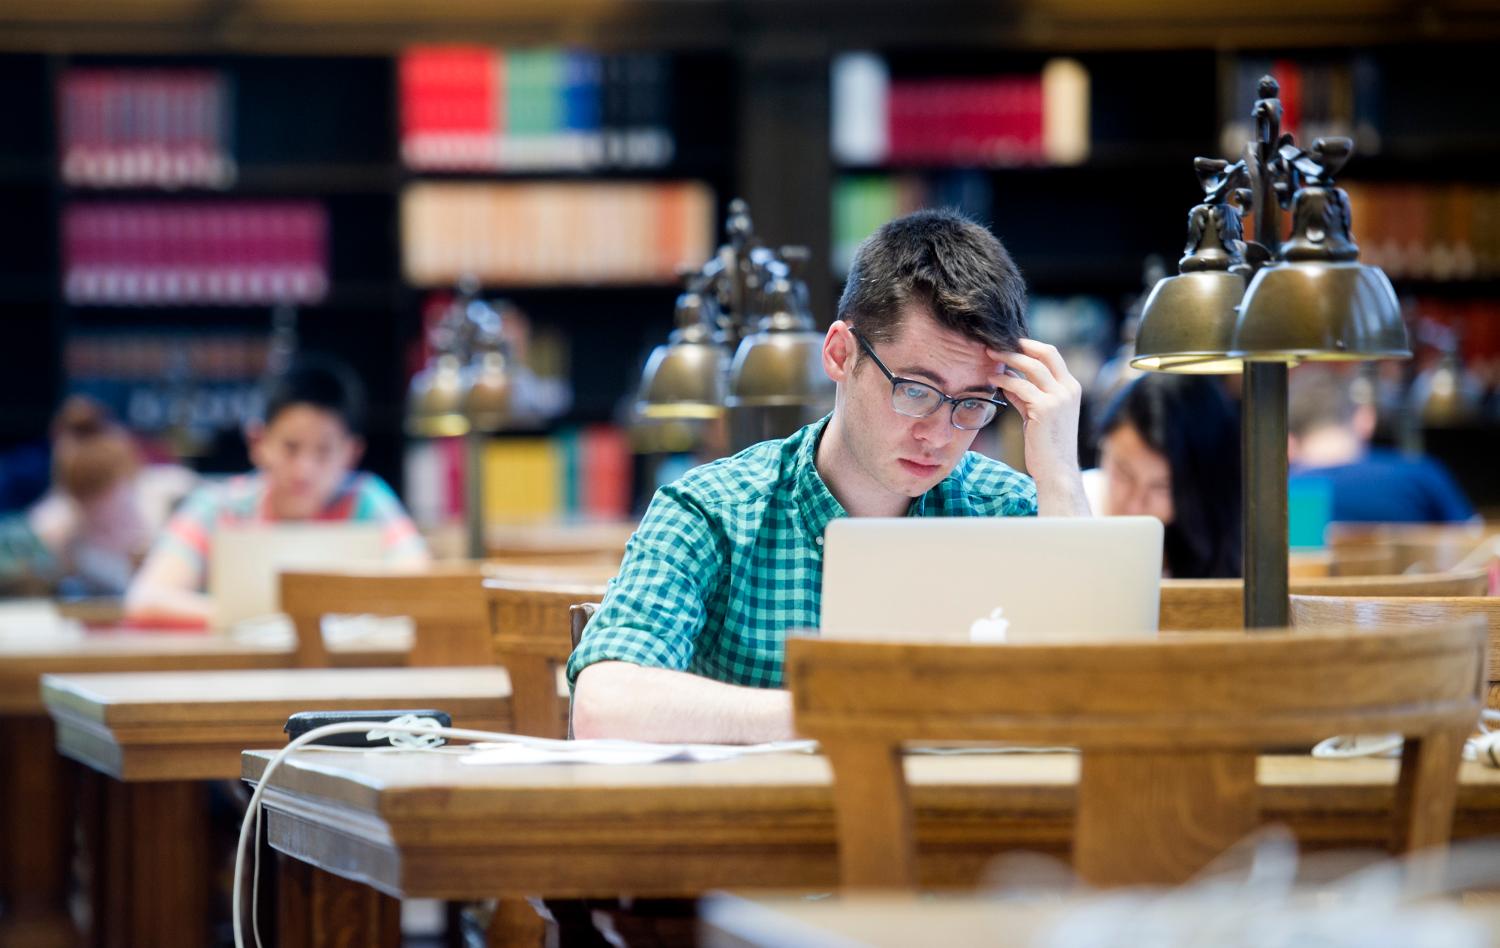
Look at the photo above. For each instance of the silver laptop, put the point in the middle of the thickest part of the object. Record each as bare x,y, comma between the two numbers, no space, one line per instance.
992,579
246,558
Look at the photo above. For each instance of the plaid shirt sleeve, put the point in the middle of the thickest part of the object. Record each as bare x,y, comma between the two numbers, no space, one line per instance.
656,606
188,535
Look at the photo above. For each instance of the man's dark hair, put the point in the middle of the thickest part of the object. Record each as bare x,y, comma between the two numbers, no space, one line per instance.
945,263
1318,398
319,381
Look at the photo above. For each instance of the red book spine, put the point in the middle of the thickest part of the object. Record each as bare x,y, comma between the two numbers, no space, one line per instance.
606,470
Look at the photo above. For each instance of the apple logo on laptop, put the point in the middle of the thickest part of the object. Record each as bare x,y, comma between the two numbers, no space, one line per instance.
991,629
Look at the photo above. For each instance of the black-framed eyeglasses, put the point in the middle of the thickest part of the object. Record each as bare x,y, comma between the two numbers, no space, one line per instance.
916,399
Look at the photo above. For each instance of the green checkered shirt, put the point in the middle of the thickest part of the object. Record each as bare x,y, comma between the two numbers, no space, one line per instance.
729,558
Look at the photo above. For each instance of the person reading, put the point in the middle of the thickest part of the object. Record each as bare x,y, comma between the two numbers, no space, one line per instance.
305,452
928,347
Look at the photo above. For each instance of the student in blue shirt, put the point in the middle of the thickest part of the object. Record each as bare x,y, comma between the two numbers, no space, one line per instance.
1329,438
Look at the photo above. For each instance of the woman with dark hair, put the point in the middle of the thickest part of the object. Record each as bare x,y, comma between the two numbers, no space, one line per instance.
1169,447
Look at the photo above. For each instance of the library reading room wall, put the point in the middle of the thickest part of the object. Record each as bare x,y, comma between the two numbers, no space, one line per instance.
177,223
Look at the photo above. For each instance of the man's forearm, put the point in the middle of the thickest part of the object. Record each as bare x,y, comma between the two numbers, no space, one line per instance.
621,700
143,605
1062,496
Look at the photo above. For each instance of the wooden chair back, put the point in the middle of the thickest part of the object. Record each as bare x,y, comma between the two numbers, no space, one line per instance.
1386,612
1412,547
1309,564
581,544
1168,732
531,622
1219,603
1381,559
581,614
446,607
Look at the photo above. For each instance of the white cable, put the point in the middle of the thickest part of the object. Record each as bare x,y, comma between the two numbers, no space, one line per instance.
1484,748
408,728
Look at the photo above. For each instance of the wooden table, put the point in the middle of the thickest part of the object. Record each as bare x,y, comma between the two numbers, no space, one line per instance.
427,826
158,734
730,921
36,785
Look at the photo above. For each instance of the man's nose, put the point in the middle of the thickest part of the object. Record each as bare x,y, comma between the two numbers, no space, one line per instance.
935,429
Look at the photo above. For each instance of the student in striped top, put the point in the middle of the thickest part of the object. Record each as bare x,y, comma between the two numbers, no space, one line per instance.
305,452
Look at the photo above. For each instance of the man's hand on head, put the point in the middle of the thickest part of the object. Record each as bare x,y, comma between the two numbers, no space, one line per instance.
1048,399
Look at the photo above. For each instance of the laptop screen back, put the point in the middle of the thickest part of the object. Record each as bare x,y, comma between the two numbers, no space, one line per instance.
992,579
245,561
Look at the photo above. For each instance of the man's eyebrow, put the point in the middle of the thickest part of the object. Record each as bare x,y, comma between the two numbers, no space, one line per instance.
926,375
935,378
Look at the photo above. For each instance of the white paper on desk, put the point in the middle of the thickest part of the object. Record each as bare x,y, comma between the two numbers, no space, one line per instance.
340,632
42,632
28,612
536,750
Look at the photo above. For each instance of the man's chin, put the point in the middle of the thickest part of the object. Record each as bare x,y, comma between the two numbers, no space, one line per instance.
915,485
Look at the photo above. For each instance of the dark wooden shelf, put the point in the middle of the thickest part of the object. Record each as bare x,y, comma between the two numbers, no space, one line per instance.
501,289
1435,162
290,180
1457,289
26,289
1103,159
664,173
15,171
345,294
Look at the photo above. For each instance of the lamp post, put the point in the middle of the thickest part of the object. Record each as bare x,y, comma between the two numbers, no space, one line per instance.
1307,299
745,345
464,390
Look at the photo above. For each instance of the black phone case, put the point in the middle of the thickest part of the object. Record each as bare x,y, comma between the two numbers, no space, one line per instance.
304,721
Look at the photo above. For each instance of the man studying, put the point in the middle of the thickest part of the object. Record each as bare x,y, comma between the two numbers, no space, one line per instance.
929,345
305,452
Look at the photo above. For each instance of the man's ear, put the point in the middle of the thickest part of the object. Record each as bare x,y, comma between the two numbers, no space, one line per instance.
255,435
356,450
1364,422
839,351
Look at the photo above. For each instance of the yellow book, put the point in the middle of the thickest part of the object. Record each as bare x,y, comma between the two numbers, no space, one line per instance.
523,480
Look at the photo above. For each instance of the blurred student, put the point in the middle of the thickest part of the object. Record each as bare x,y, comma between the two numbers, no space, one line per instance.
305,452
1169,448
87,533
1329,439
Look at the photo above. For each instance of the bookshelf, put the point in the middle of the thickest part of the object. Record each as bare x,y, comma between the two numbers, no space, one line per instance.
573,185
324,142
749,94
1424,181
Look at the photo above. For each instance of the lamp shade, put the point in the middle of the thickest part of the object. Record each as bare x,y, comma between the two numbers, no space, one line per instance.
777,383
775,368
1318,303
435,401
1187,323
1296,312
684,378
487,392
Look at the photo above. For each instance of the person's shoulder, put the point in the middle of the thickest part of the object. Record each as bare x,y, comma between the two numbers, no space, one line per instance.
235,494
367,484
991,486
748,477
980,474
370,498
1393,464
